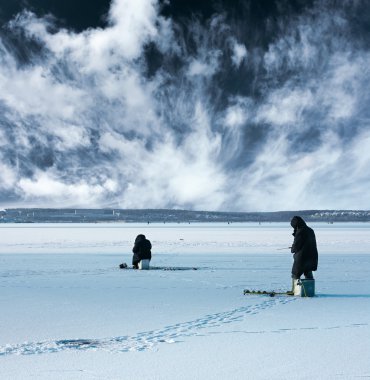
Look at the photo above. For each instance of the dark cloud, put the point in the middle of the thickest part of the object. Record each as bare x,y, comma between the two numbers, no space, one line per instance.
76,15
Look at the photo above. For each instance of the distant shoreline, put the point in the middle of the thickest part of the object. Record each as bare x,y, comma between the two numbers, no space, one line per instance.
50,215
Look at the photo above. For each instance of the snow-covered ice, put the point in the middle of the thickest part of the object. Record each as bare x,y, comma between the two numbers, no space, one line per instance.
68,312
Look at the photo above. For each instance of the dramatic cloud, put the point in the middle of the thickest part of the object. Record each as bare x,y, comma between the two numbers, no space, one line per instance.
214,113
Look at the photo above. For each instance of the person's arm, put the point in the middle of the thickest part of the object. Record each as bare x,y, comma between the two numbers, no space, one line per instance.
298,241
135,249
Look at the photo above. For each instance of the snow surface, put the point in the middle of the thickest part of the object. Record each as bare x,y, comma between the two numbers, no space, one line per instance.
68,312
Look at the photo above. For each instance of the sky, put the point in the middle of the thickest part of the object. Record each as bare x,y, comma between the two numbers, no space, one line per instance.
254,105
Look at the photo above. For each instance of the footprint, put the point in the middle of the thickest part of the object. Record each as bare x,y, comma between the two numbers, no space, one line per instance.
143,340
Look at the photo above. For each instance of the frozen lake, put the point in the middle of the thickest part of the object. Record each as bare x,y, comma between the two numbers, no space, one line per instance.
177,238
68,312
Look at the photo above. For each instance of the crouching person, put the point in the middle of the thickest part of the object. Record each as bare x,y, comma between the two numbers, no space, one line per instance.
142,250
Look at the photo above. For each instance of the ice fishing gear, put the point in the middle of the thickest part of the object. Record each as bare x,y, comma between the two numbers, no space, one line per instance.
125,266
268,293
301,288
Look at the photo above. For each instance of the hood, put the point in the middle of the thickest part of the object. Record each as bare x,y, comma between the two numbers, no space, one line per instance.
139,238
297,222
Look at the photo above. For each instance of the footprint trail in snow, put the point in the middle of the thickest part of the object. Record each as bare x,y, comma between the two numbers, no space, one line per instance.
144,340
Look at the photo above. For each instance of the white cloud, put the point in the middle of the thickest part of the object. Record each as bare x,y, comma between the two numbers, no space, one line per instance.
285,106
341,90
7,177
69,136
33,91
236,116
47,188
205,66
239,53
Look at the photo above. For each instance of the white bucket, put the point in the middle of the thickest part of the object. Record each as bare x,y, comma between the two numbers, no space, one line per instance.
304,287
144,264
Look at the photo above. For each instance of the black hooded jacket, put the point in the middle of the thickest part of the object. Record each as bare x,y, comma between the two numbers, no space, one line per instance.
142,249
304,247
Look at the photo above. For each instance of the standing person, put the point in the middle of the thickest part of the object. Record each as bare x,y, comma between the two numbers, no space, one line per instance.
304,249
142,250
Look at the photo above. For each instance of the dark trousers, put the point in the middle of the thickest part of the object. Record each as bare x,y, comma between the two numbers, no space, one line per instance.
307,274
135,261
